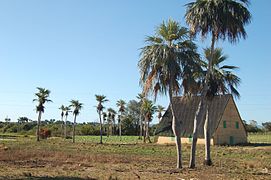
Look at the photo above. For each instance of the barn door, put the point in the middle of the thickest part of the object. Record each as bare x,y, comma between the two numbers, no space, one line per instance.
231,140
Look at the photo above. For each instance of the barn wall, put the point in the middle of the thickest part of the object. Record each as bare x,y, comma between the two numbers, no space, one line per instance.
231,134
171,140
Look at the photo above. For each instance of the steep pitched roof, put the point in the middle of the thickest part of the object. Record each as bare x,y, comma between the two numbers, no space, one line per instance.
185,112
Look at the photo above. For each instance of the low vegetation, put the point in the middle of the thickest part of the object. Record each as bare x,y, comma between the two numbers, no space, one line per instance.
55,158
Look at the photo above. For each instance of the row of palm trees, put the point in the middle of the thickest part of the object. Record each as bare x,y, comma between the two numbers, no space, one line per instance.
146,115
170,64
147,110
42,96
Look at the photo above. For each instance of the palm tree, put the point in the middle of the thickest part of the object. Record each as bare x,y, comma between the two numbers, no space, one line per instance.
42,97
62,108
223,19
160,109
77,107
168,58
121,105
67,111
148,109
111,121
222,81
101,99
140,97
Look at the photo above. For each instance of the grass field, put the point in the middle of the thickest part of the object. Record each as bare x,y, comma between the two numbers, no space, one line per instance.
55,158
259,137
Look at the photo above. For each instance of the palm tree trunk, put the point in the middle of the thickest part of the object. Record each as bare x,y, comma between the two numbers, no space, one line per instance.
101,128
65,127
107,128
113,128
200,113
202,108
176,128
61,127
38,126
207,136
140,126
120,125
147,132
73,131
207,120
144,131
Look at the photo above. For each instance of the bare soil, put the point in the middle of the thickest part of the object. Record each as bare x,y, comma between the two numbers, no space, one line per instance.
59,159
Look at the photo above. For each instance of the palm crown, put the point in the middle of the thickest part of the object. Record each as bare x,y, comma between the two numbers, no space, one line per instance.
101,99
223,18
222,79
77,106
67,110
121,104
62,108
42,97
148,109
168,58
160,109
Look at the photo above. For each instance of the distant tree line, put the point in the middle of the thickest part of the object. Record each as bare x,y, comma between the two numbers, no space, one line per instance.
252,126
130,124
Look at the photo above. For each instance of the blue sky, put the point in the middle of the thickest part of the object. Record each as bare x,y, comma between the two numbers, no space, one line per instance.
79,48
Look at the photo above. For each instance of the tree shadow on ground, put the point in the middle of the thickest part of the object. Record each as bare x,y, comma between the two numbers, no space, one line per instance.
48,178
257,144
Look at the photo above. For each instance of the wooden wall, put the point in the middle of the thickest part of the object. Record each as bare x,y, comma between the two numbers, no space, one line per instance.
227,131
171,140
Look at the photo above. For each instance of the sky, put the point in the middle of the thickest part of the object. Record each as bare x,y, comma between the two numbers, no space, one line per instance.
79,48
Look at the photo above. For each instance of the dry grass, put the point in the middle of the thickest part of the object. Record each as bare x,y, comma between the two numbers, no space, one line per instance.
58,159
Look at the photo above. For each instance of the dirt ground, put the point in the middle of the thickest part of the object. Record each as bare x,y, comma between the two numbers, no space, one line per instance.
56,159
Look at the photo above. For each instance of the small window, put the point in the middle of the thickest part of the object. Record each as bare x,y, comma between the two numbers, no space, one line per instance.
224,124
237,125
190,138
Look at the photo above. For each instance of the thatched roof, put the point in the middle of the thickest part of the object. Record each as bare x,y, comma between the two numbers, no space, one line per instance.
186,110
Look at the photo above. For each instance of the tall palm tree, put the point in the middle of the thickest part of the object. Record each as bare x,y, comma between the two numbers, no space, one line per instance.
168,58
62,108
148,109
67,111
223,19
42,96
121,105
101,99
140,97
222,81
160,109
77,106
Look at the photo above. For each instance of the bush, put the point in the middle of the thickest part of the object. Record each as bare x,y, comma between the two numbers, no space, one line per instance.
88,129
45,133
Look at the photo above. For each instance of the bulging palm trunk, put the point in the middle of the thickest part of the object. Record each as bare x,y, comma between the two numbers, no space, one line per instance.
177,133
176,128
207,136
101,128
200,113
38,126
73,131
